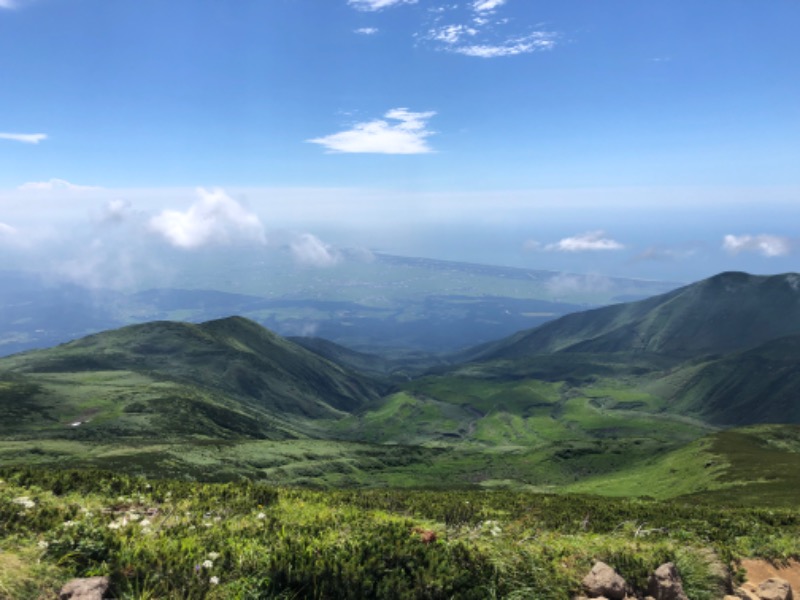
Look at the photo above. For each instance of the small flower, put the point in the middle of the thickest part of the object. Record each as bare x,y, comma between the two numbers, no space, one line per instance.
25,502
114,525
134,516
69,523
207,564
145,523
214,580
261,515
43,545
213,555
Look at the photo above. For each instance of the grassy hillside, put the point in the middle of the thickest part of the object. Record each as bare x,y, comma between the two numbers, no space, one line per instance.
755,466
168,539
722,314
223,378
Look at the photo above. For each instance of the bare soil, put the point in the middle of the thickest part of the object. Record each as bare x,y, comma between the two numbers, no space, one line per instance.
760,570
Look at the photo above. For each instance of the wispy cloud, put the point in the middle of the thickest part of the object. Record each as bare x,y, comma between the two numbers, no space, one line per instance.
766,245
6,231
405,134
13,3
485,5
664,253
309,250
25,138
534,42
215,218
373,5
591,241
366,30
566,283
55,185
476,30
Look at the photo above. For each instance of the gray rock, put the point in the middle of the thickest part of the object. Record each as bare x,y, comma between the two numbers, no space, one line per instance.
88,588
774,588
665,584
604,581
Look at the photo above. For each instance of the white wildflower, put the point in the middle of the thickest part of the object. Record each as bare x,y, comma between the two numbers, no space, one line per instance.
214,580
134,516
261,515
69,523
207,564
213,555
25,502
43,545
114,525
145,523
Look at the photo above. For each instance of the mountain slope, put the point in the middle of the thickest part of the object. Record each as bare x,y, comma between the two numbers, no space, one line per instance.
761,385
725,313
231,374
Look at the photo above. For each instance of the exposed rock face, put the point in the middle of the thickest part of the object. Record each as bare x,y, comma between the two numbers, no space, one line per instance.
89,588
774,588
604,581
665,584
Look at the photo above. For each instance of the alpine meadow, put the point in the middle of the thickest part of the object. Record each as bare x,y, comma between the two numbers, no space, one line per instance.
399,299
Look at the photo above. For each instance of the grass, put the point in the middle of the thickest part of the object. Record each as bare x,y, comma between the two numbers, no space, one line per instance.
169,539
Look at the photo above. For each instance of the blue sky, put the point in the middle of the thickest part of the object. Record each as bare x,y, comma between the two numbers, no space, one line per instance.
654,139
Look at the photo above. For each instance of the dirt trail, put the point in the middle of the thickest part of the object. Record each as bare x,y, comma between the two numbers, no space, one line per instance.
759,570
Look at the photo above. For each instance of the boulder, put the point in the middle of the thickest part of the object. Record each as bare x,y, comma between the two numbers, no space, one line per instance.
87,588
665,584
604,581
774,588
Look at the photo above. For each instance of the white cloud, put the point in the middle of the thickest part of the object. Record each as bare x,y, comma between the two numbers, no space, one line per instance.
25,138
451,34
484,5
535,42
372,5
405,136
367,30
214,219
590,241
55,185
766,245
478,31
308,249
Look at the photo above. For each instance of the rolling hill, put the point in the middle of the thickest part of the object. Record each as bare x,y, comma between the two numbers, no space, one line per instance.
221,378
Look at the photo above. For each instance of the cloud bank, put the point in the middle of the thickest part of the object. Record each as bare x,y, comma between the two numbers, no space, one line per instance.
25,138
766,245
405,134
215,218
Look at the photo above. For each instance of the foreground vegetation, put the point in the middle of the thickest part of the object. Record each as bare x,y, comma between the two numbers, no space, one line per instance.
171,539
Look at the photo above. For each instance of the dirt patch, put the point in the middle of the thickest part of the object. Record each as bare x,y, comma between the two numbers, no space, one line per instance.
759,570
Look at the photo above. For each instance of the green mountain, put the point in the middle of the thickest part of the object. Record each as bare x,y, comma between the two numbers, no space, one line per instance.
719,315
760,385
593,397
221,378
